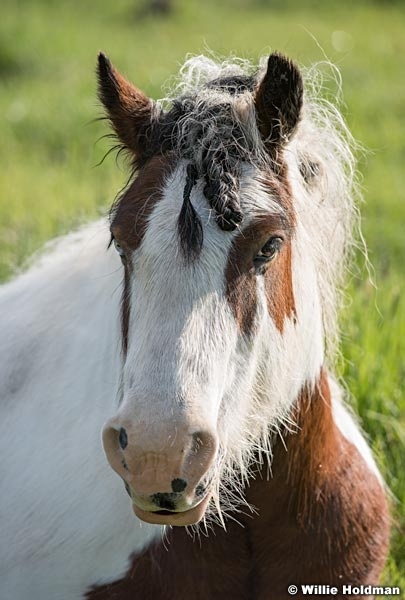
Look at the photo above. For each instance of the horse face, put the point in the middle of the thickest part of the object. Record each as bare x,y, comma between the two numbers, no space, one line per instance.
176,334
209,316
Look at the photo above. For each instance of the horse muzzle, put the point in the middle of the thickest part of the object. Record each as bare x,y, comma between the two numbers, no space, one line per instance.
169,483
189,516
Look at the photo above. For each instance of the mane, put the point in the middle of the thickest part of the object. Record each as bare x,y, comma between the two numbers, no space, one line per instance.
329,193
211,119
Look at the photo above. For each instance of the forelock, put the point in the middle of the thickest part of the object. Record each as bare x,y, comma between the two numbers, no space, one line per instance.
211,122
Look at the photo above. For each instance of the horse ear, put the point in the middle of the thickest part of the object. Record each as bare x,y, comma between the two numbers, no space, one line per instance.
128,109
278,101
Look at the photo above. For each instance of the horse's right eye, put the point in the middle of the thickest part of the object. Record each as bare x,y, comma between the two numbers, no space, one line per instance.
268,252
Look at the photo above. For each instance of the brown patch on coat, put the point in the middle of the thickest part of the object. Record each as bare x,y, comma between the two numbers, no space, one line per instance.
240,283
240,273
327,521
279,288
132,211
125,307
322,518
130,220
128,108
213,568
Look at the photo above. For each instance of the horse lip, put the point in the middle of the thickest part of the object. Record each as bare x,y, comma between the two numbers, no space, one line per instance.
163,512
164,517
146,506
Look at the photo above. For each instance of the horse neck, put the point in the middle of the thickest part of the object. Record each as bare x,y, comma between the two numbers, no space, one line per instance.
314,516
304,459
322,500
60,353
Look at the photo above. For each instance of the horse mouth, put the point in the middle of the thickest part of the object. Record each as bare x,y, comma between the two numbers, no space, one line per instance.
168,517
162,512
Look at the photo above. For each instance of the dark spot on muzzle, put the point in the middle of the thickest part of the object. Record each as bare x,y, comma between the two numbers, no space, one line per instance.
165,501
179,485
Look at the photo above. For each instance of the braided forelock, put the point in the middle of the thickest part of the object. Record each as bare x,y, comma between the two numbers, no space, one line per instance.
211,133
189,223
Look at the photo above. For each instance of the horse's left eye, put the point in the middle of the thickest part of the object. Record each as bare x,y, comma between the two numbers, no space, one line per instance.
119,249
268,252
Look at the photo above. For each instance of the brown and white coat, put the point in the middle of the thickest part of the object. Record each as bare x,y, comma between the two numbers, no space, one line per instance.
233,235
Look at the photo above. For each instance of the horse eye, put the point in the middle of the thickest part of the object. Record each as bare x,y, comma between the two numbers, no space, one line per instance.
268,252
119,249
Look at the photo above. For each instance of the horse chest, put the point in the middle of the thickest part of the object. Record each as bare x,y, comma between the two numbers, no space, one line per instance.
254,561
314,522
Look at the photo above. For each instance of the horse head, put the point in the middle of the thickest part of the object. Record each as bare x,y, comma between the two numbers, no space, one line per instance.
222,318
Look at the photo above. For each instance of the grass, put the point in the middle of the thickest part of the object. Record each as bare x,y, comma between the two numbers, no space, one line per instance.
49,151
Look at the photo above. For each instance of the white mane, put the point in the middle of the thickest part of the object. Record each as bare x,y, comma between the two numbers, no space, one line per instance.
322,146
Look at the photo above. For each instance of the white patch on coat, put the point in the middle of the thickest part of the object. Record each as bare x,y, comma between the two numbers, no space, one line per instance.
285,361
181,327
184,341
66,522
350,429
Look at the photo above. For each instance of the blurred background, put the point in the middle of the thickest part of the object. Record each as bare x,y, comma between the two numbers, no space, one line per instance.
50,147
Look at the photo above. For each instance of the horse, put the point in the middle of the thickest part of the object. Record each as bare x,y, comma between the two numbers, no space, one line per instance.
211,376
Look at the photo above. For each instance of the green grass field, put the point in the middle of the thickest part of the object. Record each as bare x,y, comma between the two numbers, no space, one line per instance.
49,181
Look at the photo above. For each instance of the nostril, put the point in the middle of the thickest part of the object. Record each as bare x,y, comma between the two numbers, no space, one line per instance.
200,490
197,442
114,442
204,441
123,438
201,458
179,485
